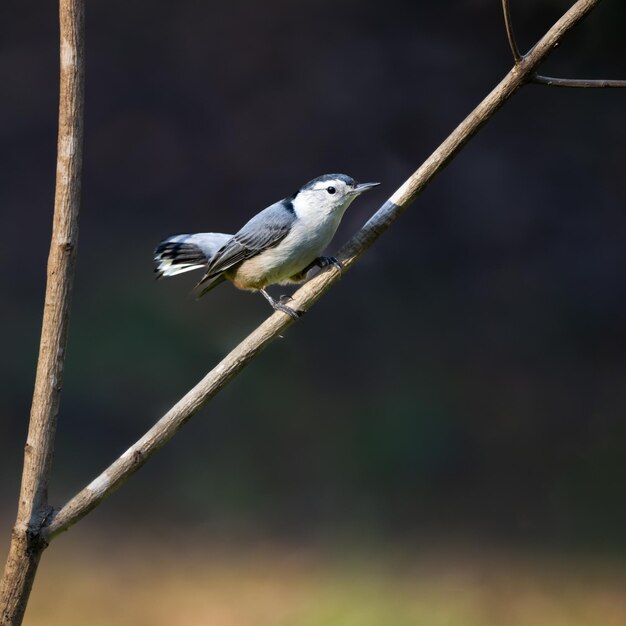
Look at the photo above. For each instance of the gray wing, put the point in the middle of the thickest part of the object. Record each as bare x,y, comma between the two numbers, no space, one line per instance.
263,231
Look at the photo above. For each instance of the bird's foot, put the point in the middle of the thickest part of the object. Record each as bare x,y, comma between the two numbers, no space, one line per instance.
283,308
279,305
325,261
285,298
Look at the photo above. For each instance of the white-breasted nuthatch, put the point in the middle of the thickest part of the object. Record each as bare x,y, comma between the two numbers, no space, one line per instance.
279,245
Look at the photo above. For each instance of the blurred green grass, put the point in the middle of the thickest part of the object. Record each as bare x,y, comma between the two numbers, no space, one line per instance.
165,584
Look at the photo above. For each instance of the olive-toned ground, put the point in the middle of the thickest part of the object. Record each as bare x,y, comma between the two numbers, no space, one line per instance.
270,586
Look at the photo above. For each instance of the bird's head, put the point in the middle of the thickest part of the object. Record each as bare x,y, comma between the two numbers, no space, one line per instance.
331,193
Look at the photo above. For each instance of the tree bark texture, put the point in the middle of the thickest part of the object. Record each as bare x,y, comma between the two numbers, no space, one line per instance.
27,542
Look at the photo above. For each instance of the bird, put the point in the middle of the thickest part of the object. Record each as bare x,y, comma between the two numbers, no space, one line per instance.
279,245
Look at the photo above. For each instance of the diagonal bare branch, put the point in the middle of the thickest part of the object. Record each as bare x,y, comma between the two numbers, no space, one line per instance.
510,33
581,83
129,462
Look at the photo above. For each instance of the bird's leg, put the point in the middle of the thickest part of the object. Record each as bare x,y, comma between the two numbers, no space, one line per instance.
279,306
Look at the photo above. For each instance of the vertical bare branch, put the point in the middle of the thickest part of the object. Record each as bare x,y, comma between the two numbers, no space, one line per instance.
510,33
33,509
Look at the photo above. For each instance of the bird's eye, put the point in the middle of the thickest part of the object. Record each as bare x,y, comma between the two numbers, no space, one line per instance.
330,189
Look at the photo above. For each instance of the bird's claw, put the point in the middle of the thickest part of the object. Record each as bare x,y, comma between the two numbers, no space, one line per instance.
285,298
278,305
283,308
325,261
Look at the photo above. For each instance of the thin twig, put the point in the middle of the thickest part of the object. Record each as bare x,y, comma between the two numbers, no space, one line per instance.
510,33
581,83
127,464
34,511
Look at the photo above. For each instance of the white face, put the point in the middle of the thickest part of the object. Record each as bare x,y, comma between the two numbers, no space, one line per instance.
329,194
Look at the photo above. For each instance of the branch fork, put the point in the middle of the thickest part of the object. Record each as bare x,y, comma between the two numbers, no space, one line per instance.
551,81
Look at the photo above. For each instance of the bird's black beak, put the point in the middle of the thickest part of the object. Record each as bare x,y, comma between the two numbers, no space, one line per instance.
361,187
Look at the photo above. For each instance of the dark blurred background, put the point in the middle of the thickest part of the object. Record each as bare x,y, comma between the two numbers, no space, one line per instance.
467,378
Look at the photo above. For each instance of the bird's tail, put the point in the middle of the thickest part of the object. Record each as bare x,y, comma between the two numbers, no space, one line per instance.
184,253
